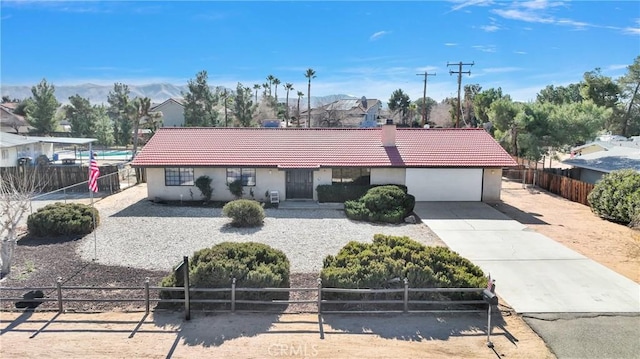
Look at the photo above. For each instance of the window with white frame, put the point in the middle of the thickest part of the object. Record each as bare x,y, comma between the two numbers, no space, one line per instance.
178,176
246,175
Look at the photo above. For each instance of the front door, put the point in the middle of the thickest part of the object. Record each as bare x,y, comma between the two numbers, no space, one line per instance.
299,184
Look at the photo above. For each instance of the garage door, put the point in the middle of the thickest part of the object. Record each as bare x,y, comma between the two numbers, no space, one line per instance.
445,184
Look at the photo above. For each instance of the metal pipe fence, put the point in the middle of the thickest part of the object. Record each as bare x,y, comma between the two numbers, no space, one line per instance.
145,289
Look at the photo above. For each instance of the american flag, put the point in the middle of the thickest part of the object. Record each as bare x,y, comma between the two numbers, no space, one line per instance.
94,173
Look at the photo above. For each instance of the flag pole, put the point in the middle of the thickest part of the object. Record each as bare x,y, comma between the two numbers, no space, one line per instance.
93,210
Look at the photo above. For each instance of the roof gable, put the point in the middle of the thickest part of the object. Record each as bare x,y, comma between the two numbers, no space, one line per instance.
316,147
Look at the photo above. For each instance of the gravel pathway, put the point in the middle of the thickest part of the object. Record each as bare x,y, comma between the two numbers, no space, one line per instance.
135,232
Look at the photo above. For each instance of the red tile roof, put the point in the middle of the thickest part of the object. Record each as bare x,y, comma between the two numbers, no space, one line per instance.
315,147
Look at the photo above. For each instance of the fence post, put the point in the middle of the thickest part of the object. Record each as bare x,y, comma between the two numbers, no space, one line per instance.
406,295
319,295
59,290
64,191
187,301
233,295
146,294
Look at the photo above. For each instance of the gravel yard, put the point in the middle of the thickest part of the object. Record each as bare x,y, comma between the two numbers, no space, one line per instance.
135,232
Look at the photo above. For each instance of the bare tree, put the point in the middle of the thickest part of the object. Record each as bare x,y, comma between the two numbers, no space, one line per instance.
330,115
16,190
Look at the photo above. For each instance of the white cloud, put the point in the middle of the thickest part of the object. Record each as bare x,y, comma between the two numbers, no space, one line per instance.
616,67
485,48
427,68
631,30
461,4
520,52
490,28
378,35
515,14
450,44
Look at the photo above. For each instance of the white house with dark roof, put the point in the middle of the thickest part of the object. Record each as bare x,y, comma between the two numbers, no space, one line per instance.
434,164
355,113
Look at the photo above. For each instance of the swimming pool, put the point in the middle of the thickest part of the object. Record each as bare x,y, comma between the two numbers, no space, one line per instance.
106,153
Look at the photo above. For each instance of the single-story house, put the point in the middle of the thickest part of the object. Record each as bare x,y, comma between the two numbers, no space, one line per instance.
172,112
12,123
434,164
361,112
594,165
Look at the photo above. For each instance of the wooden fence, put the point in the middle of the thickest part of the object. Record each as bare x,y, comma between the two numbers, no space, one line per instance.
569,188
52,178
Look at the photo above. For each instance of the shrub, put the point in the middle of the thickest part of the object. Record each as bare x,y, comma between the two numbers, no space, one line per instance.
380,264
254,265
62,219
616,196
342,192
244,213
235,188
204,185
388,204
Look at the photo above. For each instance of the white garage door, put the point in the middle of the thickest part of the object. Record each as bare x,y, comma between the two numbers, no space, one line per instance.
445,184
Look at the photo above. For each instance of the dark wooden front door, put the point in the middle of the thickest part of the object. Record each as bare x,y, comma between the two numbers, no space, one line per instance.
299,184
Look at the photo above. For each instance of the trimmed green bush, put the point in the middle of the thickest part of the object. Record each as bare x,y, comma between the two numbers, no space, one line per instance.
204,185
244,213
254,265
235,188
389,259
342,192
63,219
387,204
616,196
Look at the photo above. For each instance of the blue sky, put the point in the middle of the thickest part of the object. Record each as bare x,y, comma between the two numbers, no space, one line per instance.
357,48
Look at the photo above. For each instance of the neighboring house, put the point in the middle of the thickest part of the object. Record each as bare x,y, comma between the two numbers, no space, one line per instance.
346,113
12,123
172,112
15,147
596,164
434,164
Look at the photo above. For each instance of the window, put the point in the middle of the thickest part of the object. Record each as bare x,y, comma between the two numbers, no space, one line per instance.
178,176
246,175
354,175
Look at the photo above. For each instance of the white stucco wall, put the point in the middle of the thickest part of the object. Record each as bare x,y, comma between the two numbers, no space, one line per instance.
320,177
491,184
388,175
266,180
32,150
445,184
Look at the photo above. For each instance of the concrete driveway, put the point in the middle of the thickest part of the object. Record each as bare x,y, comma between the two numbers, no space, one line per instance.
533,273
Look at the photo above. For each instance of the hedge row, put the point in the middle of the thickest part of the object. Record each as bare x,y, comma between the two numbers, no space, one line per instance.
340,192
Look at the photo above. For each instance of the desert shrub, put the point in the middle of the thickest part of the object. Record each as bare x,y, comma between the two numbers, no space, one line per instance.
388,259
235,188
63,219
616,196
254,265
388,204
204,185
244,213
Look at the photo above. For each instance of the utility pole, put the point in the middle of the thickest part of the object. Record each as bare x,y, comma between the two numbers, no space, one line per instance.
424,97
459,72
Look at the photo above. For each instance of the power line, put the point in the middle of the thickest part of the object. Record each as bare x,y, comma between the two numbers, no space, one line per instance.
424,97
459,72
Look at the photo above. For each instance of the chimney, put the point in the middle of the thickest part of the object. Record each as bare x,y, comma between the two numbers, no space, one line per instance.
389,134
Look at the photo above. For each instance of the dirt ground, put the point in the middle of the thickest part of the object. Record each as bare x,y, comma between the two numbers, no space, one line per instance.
166,335
575,226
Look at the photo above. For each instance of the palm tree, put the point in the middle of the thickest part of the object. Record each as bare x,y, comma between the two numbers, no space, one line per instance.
270,78
256,87
288,86
300,94
310,74
276,82
265,86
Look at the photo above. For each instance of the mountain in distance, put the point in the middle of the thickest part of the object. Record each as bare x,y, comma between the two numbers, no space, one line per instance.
157,92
